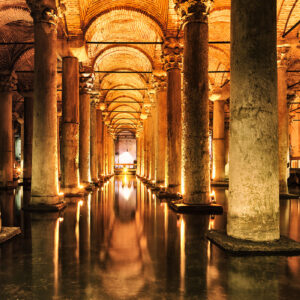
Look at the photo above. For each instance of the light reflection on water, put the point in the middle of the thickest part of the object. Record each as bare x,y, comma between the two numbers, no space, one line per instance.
121,242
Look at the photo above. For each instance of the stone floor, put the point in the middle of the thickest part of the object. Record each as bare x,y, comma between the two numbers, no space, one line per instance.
120,242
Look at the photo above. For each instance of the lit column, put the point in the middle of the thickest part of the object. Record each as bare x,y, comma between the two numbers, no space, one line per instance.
93,142
283,117
86,84
173,59
153,142
8,83
99,142
28,129
253,205
195,102
146,136
142,154
44,181
161,127
138,154
219,95
70,125
218,141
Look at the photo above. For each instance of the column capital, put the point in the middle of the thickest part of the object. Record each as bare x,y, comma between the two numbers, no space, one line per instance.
160,79
172,53
86,81
193,10
44,11
8,81
283,55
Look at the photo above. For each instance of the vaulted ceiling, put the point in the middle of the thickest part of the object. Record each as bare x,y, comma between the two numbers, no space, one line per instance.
126,23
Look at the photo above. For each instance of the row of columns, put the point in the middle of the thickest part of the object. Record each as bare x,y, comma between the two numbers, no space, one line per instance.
41,122
254,173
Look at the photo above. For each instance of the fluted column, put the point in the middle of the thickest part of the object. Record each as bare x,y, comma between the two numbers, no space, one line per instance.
173,59
44,182
161,127
195,101
253,204
70,125
93,142
86,83
8,83
283,117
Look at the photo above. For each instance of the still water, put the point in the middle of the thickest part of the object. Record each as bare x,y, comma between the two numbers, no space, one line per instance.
120,242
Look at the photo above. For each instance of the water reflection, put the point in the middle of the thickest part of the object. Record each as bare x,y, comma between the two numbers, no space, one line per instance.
121,242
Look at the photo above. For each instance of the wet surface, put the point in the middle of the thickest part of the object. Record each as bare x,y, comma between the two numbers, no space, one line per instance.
120,242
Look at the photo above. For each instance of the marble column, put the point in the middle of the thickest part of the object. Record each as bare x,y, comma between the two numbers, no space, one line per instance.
146,136
195,127
253,204
84,128
93,142
28,130
70,126
218,141
283,117
99,141
173,60
8,83
161,128
44,180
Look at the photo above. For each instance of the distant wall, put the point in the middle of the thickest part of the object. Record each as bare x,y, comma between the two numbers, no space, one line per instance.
122,146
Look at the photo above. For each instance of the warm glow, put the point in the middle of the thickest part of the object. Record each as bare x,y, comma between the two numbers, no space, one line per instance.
60,193
182,254
80,186
213,196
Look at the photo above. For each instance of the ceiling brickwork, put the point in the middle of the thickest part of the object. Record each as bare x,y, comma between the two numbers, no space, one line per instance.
130,21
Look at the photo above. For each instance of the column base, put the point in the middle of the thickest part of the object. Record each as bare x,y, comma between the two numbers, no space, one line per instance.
74,191
288,196
45,204
168,195
8,233
206,209
283,246
219,183
9,185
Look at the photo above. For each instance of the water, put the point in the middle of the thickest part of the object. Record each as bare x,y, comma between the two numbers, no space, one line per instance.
120,242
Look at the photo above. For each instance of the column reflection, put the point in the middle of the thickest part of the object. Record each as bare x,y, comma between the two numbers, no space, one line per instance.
126,259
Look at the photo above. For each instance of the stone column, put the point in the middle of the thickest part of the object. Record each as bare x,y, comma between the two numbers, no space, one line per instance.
93,142
253,205
138,154
8,83
218,141
44,181
86,82
99,141
283,117
70,126
173,59
195,125
161,128
146,135
28,130
153,142
109,153
142,154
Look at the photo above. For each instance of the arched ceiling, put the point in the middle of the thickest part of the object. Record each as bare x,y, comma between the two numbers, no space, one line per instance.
124,71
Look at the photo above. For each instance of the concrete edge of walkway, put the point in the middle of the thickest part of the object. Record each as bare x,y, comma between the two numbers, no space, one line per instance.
284,246
208,209
8,233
